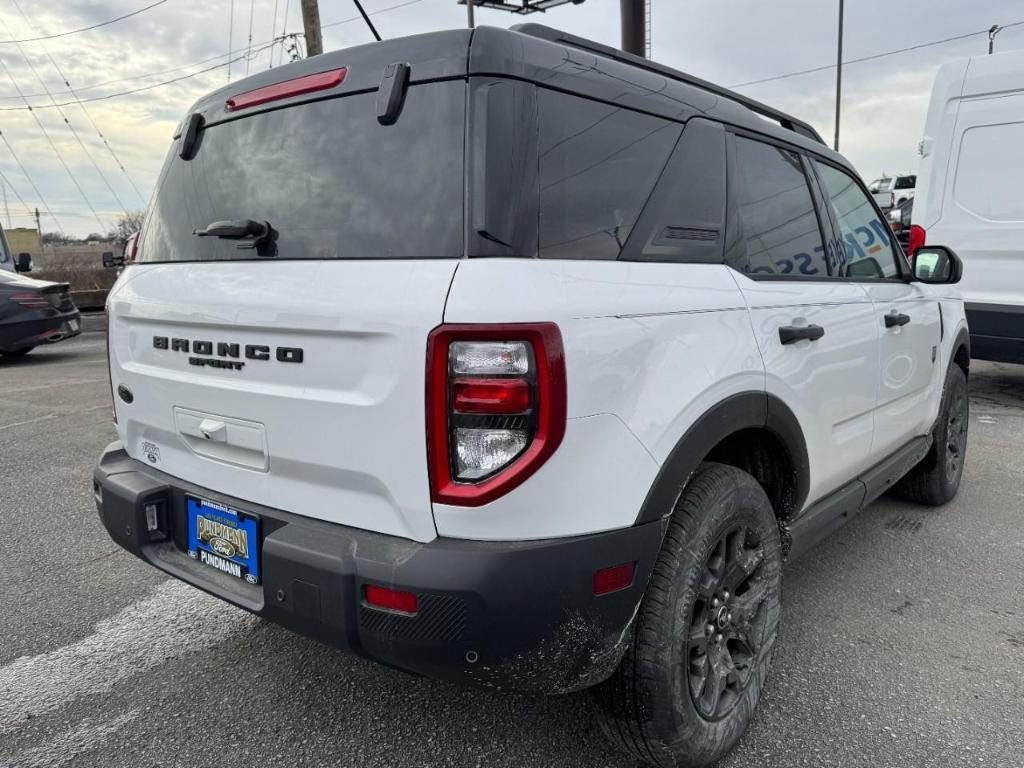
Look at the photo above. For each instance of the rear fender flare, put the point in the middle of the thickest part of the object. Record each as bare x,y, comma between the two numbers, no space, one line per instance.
740,411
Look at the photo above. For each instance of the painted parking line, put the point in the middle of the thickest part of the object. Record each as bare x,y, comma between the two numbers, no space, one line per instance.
173,621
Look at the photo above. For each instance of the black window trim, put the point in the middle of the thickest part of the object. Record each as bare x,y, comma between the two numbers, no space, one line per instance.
902,264
731,133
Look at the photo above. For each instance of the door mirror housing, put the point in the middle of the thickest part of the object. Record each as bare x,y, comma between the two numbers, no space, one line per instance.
110,260
937,265
23,263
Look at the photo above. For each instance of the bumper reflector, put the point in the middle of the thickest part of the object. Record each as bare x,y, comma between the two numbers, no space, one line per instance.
391,599
614,578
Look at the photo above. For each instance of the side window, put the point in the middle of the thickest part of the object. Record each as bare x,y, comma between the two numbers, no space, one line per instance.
597,166
867,243
779,225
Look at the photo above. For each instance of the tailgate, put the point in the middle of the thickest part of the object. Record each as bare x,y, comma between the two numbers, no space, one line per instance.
298,385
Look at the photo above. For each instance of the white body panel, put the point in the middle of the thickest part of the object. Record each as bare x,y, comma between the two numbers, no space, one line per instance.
909,370
829,384
344,431
639,372
970,174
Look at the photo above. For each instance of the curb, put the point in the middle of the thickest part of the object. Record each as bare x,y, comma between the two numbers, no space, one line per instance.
94,322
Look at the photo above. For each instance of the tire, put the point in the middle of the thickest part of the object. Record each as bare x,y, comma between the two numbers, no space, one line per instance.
18,352
655,706
935,480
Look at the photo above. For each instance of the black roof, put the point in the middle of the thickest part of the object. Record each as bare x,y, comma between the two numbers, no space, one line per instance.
542,55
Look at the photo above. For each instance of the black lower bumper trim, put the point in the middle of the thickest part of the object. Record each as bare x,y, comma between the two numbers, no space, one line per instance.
997,332
507,615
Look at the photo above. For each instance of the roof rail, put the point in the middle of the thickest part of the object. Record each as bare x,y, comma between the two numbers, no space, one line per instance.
557,36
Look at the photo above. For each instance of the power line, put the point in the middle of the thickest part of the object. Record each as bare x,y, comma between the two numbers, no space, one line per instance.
371,13
85,29
248,52
64,117
231,30
31,183
88,116
871,57
273,30
56,151
278,40
7,183
141,89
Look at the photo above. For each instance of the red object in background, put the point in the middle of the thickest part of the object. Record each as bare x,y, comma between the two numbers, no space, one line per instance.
917,235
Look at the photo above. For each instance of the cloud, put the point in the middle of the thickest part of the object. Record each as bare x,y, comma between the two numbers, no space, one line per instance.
726,41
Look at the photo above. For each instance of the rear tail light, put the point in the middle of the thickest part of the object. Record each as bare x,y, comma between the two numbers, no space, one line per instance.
30,300
892,199
496,407
916,240
110,373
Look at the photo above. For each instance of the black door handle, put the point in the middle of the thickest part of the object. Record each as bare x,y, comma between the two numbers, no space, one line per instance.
791,333
896,318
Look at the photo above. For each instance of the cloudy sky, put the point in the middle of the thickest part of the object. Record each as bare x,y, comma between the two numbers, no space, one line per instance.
192,41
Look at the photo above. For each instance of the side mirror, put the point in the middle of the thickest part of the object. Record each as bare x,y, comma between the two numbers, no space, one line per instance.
110,260
937,265
23,263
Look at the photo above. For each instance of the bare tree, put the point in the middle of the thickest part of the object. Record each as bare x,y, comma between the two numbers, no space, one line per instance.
127,225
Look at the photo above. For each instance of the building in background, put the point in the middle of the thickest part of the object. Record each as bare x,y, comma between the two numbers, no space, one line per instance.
24,240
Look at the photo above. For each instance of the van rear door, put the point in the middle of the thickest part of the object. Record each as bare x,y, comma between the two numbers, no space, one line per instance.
290,372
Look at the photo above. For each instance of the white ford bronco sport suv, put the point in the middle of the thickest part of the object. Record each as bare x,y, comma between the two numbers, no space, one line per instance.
507,358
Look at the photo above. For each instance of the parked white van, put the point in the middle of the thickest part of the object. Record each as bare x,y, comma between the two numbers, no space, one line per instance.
969,193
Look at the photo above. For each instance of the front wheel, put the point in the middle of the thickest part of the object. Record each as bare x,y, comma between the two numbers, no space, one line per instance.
936,479
703,639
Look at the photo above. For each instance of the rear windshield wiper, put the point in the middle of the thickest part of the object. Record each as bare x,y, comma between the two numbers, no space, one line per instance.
254,234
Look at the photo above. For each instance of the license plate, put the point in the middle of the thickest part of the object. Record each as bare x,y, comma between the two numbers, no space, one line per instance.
73,325
224,538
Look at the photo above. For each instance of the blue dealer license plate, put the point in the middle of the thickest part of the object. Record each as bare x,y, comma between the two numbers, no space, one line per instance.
223,538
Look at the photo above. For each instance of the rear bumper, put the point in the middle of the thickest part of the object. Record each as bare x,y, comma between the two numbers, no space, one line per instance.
33,333
506,615
997,332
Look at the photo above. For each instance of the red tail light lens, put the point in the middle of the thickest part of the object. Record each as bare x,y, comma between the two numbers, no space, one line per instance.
391,599
30,300
916,239
490,395
496,407
321,81
110,374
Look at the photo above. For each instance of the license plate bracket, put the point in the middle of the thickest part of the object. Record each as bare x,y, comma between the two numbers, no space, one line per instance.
223,538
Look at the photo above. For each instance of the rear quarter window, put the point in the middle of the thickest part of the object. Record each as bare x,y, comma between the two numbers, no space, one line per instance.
597,166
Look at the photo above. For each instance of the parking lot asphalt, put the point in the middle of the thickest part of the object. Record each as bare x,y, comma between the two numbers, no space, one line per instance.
902,641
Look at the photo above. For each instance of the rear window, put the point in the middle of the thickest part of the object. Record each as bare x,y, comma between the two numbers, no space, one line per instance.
332,182
906,182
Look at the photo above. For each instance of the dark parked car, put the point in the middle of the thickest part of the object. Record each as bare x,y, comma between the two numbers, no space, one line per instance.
34,312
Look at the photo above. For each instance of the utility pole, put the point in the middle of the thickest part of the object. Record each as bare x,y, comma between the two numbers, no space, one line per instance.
839,74
633,27
311,26
994,30
7,211
39,227
469,14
